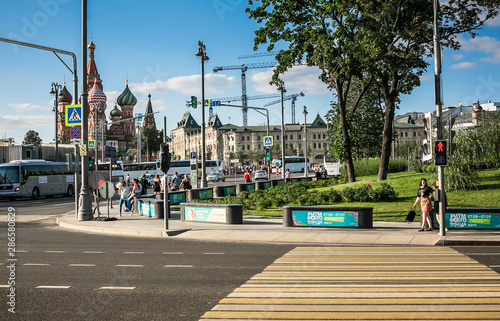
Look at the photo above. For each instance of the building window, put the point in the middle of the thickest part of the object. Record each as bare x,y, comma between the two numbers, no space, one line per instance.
259,146
414,134
258,138
248,138
406,134
300,137
242,138
314,145
248,147
401,134
286,136
291,146
324,136
291,136
243,147
314,137
277,137
319,145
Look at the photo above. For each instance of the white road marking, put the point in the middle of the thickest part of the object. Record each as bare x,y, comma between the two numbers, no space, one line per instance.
53,287
55,251
213,253
21,251
129,265
178,266
82,265
133,252
36,264
117,288
92,252
173,253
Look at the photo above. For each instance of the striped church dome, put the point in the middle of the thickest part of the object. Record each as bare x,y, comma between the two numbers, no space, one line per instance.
126,98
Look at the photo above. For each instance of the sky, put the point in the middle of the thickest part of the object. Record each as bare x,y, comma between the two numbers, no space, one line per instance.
152,44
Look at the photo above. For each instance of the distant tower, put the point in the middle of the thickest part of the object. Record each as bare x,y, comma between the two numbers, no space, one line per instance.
149,120
97,105
127,101
64,99
92,74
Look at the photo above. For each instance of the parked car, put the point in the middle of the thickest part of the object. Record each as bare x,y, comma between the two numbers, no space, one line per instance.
260,174
216,176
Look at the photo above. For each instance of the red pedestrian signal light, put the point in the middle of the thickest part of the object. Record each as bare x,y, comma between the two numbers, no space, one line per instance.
440,153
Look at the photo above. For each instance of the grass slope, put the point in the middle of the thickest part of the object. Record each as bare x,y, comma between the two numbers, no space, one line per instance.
406,185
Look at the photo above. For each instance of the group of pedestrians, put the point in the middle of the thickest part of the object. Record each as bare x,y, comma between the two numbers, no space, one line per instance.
127,195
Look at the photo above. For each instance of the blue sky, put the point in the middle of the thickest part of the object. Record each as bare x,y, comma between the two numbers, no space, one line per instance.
152,44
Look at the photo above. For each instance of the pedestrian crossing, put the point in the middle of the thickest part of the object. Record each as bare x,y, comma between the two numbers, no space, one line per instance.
366,283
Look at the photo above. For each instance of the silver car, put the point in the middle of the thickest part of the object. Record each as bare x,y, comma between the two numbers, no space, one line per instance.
216,176
260,174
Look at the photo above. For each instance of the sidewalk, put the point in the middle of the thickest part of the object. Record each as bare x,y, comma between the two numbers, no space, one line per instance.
272,230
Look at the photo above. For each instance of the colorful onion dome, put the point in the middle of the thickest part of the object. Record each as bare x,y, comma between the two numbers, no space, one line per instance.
96,95
64,95
126,98
115,113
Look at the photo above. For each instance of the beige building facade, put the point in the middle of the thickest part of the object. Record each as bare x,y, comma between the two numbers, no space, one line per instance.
226,142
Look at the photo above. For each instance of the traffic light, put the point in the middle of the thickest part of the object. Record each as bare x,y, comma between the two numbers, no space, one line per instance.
194,101
268,154
441,153
451,135
164,158
427,142
91,163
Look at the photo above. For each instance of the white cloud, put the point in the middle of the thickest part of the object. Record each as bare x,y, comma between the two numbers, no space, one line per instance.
493,22
458,56
426,77
26,107
18,125
464,65
214,83
487,45
297,79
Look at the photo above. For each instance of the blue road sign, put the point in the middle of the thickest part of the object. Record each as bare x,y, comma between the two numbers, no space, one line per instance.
215,103
192,155
268,141
91,143
73,115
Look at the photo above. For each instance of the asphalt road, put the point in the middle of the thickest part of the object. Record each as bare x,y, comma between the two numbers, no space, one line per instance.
67,275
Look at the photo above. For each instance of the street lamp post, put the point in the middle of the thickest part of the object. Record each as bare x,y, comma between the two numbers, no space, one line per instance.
202,55
305,142
281,88
55,92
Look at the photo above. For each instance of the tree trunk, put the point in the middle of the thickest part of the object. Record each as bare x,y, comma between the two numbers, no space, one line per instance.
390,106
349,166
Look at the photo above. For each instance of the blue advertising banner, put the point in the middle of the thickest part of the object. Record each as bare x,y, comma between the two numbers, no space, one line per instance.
177,198
472,220
230,190
327,218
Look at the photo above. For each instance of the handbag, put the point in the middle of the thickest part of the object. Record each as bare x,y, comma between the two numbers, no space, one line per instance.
410,216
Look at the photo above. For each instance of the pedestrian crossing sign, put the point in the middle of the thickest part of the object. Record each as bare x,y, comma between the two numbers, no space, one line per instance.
73,115
91,143
268,141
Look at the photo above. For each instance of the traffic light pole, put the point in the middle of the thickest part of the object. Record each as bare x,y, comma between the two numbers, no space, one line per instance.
437,87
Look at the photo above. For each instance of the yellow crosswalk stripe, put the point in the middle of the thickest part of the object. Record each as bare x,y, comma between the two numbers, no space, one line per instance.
366,283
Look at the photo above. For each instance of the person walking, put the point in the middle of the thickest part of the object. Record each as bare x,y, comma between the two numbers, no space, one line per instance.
423,196
287,176
144,184
124,194
157,185
247,177
128,180
176,182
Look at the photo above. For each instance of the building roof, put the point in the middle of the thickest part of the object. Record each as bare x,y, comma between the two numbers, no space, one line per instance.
318,122
187,121
64,95
149,118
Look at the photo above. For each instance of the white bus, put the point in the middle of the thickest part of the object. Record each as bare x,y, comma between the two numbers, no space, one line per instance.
135,170
117,173
296,164
34,178
184,167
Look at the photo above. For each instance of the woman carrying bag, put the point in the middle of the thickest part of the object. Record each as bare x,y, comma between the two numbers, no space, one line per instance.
423,195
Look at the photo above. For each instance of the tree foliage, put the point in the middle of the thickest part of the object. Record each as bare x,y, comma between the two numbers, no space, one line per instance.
365,40
32,138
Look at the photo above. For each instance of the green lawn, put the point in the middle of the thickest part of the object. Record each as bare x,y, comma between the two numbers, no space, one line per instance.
406,185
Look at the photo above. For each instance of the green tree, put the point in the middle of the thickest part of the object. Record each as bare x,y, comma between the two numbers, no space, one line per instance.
32,138
151,140
363,41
